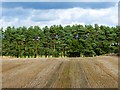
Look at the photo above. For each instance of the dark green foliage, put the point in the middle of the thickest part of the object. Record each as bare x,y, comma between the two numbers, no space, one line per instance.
58,41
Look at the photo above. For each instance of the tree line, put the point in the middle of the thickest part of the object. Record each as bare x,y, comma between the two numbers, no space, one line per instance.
58,41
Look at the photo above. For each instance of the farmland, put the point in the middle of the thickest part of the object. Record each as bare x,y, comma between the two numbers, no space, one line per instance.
87,72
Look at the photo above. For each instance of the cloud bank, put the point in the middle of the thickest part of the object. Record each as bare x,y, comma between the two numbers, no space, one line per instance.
27,17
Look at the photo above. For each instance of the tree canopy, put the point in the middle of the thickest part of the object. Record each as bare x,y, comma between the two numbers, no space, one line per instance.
56,40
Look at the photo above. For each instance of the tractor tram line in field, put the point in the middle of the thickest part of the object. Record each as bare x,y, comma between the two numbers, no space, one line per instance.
96,72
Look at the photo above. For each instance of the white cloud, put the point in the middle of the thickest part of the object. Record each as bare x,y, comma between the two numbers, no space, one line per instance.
107,16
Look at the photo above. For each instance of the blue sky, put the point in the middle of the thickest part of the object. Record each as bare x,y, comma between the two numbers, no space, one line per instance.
65,13
58,5
60,0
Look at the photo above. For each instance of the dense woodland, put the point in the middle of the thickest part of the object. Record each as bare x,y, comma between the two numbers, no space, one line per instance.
58,41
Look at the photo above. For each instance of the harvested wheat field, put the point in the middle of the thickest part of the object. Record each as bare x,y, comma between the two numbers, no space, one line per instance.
88,72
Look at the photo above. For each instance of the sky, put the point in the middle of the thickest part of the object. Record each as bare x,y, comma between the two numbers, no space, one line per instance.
60,0
56,13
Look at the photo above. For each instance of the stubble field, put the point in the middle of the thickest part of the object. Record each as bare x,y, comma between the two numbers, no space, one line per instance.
90,72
